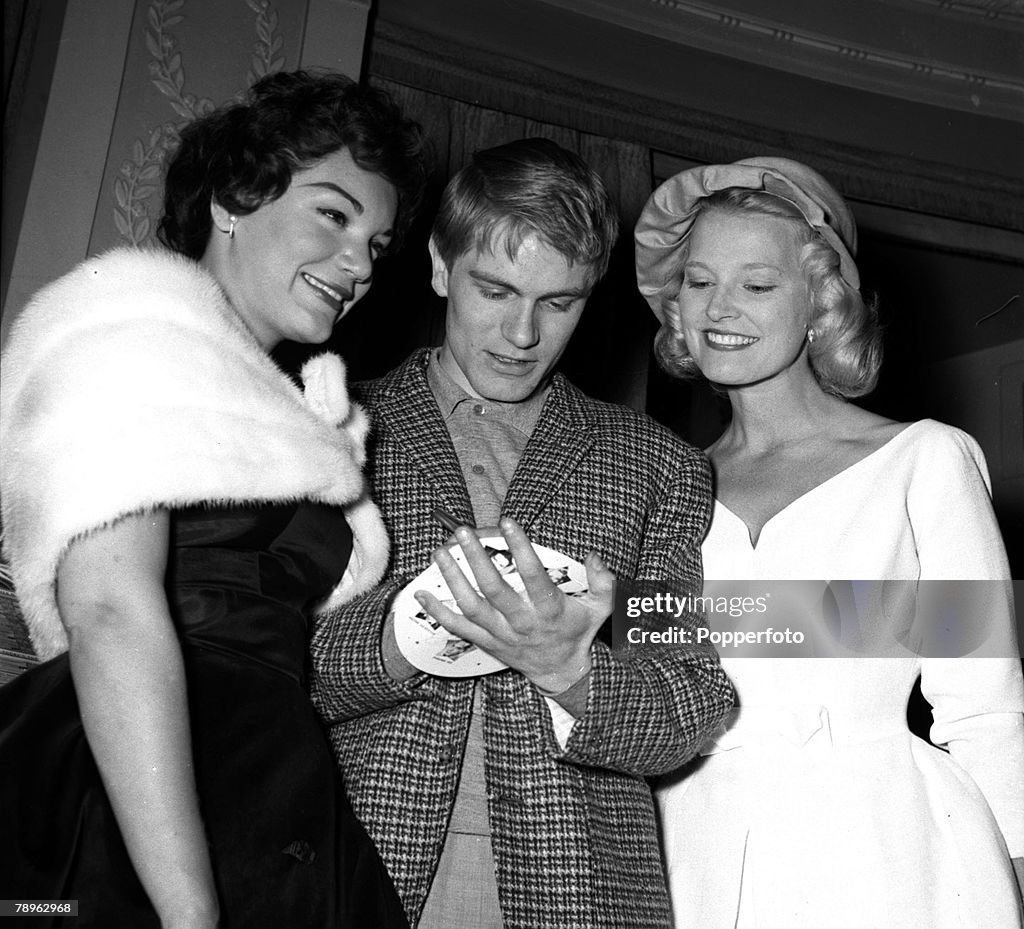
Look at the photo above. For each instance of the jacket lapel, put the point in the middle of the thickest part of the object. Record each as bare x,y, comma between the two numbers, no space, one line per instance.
407,413
562,437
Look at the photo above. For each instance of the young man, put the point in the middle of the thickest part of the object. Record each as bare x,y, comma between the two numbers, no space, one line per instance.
518,799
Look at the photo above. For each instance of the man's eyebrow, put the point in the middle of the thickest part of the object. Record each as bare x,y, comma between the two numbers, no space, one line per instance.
330,185
493,280
575,292
484,278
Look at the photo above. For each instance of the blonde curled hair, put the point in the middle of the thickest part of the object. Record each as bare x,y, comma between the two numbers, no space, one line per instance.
846,353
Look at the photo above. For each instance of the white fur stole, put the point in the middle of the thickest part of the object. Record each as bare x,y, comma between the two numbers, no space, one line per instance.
130,384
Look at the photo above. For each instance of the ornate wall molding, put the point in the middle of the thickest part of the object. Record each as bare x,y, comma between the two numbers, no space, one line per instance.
117,99
266,52
137,186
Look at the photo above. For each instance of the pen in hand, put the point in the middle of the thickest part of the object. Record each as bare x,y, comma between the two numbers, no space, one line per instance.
448,521
502,559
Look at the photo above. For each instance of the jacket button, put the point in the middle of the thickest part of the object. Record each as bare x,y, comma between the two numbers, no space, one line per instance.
506,801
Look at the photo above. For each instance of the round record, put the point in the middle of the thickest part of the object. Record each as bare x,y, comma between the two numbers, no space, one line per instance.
428,646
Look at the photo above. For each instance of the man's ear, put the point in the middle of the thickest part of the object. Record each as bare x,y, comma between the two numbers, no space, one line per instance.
439,275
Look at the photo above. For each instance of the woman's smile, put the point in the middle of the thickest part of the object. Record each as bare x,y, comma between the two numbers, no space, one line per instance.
728,341
334,294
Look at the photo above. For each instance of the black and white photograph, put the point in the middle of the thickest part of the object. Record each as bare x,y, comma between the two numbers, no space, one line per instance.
645,550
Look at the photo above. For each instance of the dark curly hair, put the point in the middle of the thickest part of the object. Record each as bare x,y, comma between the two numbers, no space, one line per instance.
242,155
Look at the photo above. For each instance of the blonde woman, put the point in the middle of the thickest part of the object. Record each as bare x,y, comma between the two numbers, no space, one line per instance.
816,807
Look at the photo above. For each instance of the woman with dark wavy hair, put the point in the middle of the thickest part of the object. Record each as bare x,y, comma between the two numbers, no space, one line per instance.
815,806
176,510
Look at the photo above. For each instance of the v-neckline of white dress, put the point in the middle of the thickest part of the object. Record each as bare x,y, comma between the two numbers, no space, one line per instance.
813,490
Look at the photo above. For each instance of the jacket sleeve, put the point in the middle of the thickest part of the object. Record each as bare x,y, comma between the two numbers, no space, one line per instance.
651,706
348,678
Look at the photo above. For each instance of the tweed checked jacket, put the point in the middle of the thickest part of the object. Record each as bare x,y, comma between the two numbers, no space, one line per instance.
573,830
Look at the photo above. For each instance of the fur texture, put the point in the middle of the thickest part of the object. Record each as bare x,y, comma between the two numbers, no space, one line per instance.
130,384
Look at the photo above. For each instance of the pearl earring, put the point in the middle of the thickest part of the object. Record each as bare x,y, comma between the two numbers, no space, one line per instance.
232,220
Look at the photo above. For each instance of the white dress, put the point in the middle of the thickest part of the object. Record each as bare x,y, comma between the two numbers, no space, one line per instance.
815,806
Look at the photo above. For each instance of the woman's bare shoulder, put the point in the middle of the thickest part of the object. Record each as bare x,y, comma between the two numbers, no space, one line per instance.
863,431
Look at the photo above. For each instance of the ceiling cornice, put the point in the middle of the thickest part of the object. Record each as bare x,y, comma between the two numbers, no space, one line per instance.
957,54
1008,12
480,76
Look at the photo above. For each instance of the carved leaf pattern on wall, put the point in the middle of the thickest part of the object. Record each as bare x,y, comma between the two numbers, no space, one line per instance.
265,58
138,179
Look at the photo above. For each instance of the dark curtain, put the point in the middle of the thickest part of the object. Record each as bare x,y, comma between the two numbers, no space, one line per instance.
31,37
17,15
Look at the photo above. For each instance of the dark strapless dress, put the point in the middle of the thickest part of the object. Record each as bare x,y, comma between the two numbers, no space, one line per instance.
287,851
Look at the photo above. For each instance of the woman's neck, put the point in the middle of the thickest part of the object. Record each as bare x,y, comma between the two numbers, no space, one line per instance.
776,413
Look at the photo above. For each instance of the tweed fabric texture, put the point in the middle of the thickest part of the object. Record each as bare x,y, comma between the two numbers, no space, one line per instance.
573,830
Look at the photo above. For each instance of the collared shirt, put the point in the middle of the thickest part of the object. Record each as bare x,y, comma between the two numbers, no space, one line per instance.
489,438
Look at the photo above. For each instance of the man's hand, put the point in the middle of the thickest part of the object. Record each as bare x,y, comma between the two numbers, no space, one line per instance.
543,634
